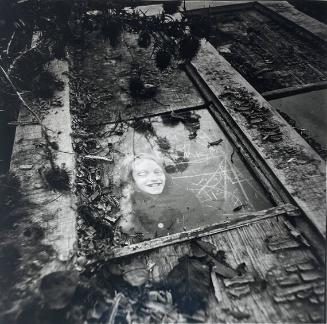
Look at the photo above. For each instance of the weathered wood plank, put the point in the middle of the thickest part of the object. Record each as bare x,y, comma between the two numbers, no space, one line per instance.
277,9
280,93
288,12
242,220
267,271
54,211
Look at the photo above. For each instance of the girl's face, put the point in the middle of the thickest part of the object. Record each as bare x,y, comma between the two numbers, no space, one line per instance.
148,176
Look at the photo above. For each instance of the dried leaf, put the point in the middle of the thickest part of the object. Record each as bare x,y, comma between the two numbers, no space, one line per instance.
239,291
202,248
189,282
223,270
214,143
239,314
239,280
239,207
94,196
241,269
257,121
216,287
216,258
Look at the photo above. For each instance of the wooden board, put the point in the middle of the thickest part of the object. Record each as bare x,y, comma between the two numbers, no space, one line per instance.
266,49
203,231
270,254
54,211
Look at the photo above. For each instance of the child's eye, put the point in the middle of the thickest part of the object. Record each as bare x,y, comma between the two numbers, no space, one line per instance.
158,171
142,173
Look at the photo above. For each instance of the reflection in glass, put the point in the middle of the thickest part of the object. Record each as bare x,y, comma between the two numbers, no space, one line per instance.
159,206
177,172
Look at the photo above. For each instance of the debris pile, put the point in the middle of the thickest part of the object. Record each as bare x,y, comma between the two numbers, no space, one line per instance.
256,115
98,201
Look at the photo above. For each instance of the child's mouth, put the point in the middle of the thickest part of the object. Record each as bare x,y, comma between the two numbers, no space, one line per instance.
153,185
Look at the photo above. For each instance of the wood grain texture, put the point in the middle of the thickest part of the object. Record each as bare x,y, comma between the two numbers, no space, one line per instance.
268,50
287,11
54,211
249,244
242,220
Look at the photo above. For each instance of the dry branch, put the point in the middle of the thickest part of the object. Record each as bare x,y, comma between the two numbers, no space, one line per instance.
10,41
96,157
21,98
17,58
115,308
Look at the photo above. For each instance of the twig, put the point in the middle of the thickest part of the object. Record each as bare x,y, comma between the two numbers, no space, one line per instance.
160,103
16,59
127,47
142,12
149,30
52,200
10,41
216,287
215,142
21,123
115,308
65,152
232,155
96,157
22,99
43,127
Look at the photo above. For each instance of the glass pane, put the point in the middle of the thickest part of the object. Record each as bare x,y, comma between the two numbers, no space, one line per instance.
178,171
308,110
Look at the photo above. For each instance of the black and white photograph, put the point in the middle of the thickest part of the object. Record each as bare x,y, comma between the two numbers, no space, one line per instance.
163,161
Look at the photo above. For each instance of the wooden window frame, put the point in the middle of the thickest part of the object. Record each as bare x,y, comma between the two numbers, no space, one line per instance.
250,158
219,227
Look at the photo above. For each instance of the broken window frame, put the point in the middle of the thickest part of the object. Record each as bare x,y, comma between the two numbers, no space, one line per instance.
251,159
215,228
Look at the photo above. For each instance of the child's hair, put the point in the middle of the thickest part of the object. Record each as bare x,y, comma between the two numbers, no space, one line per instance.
128,163
128,188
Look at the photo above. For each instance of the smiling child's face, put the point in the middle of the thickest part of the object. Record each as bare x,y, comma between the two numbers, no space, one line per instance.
149,176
